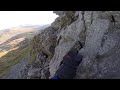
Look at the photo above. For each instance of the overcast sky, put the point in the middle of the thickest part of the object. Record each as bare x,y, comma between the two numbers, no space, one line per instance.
16,18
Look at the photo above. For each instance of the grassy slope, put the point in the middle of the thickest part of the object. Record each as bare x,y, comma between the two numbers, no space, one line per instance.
12,58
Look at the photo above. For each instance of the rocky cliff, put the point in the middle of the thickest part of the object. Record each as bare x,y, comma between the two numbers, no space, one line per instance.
99,32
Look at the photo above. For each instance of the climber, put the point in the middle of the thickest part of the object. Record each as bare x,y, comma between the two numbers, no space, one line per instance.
69,65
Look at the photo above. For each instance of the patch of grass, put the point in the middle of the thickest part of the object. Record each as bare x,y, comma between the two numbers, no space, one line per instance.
19,56
12,58
5,52
33,57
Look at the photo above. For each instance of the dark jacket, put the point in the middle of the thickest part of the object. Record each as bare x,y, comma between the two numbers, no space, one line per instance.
69,65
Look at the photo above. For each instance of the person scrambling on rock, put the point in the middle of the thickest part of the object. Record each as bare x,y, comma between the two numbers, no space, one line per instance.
69,64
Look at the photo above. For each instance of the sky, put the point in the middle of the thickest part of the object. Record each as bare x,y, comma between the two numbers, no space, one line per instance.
17,18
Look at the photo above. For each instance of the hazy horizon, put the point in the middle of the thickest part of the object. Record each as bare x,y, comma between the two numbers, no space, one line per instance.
9,19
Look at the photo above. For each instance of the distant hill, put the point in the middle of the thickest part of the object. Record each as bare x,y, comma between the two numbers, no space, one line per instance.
12,32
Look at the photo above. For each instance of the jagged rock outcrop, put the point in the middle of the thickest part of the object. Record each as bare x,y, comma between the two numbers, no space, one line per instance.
42,49
99,32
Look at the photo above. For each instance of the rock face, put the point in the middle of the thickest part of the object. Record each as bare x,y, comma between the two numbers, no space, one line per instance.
99,32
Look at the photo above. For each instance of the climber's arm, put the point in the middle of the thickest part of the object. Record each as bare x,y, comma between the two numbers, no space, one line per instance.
55,77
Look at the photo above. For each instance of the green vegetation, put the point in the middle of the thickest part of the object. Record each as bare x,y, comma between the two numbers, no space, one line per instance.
34,51
29,35
64,21
12,58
